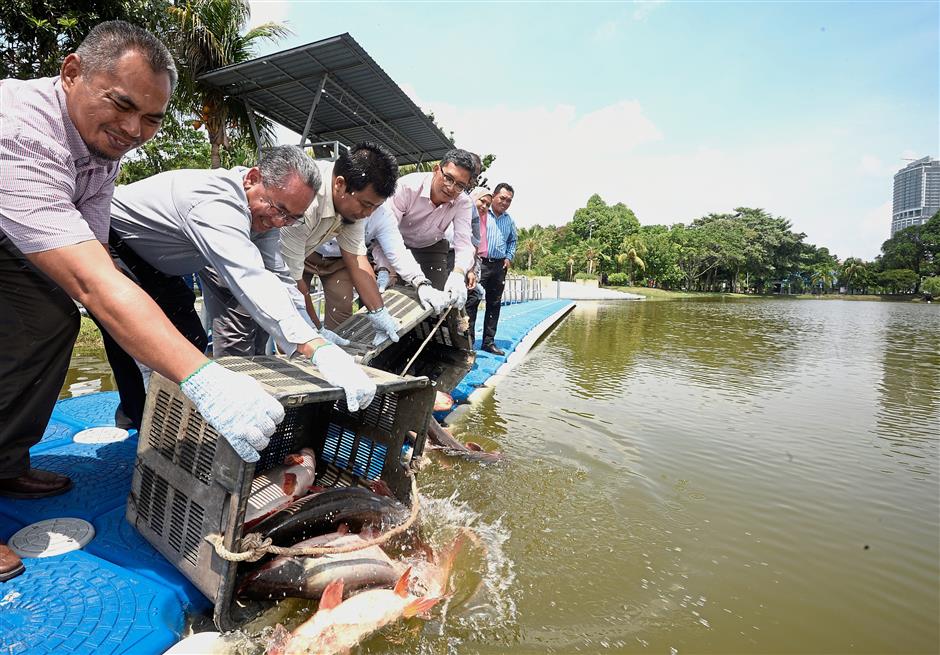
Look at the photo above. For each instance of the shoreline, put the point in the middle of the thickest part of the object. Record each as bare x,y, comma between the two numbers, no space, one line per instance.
664,294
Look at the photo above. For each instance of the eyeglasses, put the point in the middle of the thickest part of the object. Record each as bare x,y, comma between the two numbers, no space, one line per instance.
280,213
450,180
365,204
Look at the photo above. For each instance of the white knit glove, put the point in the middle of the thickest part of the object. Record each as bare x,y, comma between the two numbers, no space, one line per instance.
385,326
382,279
341,370
432,298
456,288
332,337
236,406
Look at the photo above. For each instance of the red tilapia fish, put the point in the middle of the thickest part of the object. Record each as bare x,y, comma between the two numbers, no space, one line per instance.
340,625
281,485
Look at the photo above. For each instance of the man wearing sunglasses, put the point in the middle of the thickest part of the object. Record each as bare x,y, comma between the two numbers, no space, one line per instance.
180,222
426,204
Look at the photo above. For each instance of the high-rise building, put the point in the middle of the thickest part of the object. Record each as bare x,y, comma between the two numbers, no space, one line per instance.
916,193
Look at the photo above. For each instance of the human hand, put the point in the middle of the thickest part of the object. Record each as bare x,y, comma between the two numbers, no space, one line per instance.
432,298
235,405
456,289
332,337
382,279
471,279
385,326
506,264
340,370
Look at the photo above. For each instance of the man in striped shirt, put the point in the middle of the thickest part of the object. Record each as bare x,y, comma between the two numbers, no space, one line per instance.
496,250
61,141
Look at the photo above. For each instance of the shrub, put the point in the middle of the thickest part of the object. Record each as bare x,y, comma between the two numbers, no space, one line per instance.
584,276
617,279
931,285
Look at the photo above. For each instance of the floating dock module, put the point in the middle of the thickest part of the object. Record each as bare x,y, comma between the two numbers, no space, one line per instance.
515,323
88,411
101,476
118,542
81,605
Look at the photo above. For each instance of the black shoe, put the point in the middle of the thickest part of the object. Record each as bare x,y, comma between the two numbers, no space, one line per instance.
493,349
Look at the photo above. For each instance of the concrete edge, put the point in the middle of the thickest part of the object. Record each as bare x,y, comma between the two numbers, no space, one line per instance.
514,359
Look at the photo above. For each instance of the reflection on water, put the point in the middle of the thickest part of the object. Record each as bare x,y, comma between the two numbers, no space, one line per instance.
745,476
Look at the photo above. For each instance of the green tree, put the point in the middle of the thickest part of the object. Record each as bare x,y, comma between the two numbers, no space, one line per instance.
533,243
209,34
36,36
853,273
608,225
899,280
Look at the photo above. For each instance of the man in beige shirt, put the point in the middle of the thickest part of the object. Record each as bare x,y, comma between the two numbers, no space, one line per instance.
351,188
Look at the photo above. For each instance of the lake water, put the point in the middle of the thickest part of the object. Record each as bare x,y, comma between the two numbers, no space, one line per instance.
742,476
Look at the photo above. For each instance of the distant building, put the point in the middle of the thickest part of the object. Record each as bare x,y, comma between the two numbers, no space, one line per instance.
916,193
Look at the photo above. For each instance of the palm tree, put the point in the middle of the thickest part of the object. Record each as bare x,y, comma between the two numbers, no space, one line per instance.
852,269
534,243
570,263
634,249
593,251
207,34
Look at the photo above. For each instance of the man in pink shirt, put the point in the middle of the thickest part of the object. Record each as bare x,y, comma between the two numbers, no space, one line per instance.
61,141
425,205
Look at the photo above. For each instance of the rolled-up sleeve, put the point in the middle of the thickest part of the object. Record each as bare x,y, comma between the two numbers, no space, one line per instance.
391,251
352,237
269,297
463,248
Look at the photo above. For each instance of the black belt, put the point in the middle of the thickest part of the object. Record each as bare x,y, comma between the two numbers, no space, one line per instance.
492,259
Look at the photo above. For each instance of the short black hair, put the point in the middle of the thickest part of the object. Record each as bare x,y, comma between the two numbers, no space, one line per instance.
108,41
501,186
368,163
461,158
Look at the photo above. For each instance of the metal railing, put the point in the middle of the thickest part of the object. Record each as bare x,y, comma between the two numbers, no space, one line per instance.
519,288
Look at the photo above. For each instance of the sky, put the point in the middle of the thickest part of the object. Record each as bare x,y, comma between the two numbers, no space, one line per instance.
676,109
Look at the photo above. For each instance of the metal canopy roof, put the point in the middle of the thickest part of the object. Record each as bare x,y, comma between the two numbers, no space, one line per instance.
332,90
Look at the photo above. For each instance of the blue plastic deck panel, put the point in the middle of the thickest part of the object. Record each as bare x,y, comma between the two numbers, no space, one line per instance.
57,433
90,410
515,322
118,542
101,477
77,604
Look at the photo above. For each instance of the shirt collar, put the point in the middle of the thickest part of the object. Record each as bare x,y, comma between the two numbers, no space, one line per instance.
77,147
323,203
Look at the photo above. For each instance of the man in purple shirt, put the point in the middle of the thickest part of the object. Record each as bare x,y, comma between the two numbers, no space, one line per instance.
61,140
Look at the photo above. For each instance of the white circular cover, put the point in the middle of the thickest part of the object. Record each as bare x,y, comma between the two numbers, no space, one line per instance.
201,643
51,537
100,435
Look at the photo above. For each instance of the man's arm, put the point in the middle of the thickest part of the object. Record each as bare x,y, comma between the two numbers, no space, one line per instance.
304,289
363,279
511,242
85,272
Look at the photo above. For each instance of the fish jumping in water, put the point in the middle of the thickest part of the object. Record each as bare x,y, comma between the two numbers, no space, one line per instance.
340,625
445,442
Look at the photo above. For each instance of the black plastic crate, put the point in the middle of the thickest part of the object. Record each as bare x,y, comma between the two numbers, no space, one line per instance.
189,483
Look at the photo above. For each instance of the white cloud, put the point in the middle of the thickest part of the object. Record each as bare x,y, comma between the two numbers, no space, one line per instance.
267,11
556,157
643,8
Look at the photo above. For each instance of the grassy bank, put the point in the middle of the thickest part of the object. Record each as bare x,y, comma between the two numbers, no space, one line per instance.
89,337
663,294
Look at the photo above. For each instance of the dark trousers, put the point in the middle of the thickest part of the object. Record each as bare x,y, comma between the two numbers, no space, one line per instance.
177,301
38,326
433,262
473,302
492,279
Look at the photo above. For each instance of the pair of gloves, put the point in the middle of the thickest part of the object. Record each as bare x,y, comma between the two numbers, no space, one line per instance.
241,411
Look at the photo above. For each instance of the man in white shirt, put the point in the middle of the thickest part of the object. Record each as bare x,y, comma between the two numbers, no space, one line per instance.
381,228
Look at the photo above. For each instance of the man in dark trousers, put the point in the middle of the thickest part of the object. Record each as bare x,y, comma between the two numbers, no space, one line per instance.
61,142
497,248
